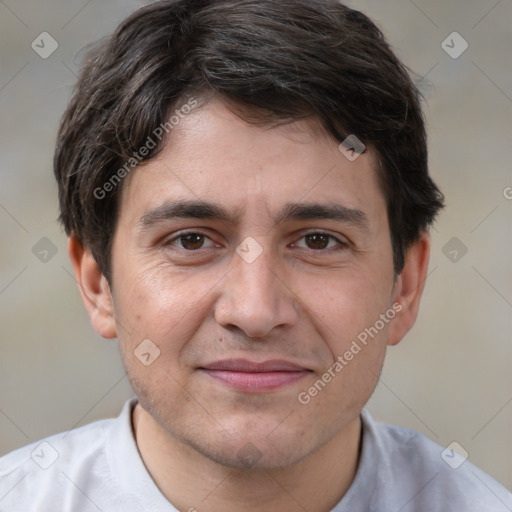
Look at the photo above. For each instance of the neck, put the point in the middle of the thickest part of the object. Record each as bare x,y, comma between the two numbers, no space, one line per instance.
192,481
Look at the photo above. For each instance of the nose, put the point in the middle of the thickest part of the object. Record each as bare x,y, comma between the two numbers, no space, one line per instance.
255,299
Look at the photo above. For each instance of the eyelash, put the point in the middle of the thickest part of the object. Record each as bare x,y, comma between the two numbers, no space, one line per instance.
340,244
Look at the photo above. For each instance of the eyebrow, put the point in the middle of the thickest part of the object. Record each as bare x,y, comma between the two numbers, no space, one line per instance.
196,209
329,211
189,209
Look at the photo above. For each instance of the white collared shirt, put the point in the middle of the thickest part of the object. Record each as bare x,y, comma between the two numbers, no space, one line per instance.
98,468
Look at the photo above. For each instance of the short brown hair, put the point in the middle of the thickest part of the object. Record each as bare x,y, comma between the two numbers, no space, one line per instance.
281,60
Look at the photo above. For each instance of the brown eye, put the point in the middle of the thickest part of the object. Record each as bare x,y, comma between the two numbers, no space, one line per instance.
317,241
320,241
190,241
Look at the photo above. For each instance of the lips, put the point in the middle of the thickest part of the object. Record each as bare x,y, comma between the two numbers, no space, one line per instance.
243,365
252,376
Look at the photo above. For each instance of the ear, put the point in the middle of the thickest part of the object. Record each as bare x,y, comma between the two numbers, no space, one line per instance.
409,288
94,288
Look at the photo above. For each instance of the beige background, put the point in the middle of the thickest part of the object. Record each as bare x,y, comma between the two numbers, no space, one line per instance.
450,378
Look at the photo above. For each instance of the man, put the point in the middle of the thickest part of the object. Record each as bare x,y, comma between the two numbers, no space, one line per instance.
245,188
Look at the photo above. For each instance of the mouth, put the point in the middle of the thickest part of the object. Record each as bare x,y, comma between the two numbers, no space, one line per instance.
254,377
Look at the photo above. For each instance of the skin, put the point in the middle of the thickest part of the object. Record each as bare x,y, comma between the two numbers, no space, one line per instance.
302,301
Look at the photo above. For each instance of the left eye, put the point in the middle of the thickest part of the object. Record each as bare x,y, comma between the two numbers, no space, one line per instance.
320,241
190,241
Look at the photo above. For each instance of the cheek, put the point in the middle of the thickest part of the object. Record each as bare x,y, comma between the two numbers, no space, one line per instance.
342,305
162,305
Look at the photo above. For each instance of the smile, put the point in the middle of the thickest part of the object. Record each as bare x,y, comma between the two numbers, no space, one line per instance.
255,377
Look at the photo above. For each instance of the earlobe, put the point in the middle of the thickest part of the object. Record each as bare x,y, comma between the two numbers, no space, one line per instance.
409,288
94,288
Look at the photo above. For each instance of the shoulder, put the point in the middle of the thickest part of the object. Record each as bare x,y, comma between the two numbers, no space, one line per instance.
58,468
39,471
428,476
65,445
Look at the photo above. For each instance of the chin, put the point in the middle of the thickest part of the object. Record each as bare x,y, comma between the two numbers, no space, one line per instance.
255,443
244,454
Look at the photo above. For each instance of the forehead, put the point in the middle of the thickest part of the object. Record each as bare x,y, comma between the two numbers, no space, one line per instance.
213,155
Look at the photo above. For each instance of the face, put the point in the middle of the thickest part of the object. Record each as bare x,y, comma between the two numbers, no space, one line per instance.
250,301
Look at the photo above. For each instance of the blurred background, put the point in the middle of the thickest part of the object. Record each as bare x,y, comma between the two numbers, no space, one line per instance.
450,378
